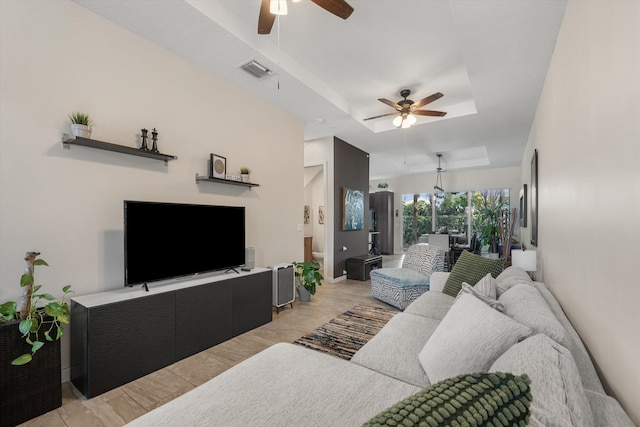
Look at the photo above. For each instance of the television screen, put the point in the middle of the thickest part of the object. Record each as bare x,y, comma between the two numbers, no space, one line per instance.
168,240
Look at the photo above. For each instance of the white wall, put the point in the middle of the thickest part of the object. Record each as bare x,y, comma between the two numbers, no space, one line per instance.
57,57
452,181
587,132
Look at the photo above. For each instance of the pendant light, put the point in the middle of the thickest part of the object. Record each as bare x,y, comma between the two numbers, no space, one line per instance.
404,121
438,189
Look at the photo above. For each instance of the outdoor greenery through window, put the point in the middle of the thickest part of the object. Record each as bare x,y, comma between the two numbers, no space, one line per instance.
464,213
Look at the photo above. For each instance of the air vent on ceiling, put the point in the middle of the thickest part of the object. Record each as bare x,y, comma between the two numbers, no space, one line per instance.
256,69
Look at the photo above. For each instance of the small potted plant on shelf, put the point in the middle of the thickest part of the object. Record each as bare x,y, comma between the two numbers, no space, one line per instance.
81,124
33,326
308,277
244,174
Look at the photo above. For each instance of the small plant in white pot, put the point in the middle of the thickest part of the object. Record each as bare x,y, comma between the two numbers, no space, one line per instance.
81,124
244,174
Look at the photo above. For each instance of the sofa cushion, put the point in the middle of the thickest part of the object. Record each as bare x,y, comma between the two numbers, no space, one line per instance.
471,268
524,304
607,411
434,305
559,399
493,303
394,350
469,339
472,399
510,277
284,385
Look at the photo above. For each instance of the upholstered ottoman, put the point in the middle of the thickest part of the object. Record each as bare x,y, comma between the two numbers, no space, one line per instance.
398,286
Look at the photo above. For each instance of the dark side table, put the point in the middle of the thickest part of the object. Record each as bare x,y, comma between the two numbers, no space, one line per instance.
359,267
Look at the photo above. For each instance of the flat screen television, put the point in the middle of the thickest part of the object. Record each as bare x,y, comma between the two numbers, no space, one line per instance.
170,240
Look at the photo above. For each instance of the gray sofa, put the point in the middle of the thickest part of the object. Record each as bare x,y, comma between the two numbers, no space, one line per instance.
437,336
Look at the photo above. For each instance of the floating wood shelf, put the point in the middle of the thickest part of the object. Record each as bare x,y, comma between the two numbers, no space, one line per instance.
200,178
68,140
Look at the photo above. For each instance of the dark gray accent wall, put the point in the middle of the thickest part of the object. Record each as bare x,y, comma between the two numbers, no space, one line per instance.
351,170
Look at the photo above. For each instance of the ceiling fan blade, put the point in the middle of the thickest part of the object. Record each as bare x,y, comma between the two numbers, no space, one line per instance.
266,18
381,115
339,8
390,103
429,113
427,100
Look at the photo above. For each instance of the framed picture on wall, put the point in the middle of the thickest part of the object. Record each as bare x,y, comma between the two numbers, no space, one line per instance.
320,214
523,206
534,198
352,209
307,215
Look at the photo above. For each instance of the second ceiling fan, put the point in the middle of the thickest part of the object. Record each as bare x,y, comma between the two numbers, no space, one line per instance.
270,8
407,109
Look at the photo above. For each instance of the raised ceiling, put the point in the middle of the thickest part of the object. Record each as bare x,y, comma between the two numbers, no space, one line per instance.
488,57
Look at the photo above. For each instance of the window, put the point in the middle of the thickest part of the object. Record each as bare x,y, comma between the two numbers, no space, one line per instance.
461,213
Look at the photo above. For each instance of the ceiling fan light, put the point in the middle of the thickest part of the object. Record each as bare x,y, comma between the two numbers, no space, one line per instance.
405,124
411,119
397,121
278,7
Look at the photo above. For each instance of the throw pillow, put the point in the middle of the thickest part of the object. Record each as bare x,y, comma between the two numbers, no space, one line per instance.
493,303
510,277
560,398
524,304
487,286
469,339
497,399
471,268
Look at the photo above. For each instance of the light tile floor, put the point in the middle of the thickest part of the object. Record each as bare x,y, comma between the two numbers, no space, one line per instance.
125,403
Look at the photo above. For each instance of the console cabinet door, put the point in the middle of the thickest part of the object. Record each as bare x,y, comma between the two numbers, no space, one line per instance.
203,317
128,340
252,297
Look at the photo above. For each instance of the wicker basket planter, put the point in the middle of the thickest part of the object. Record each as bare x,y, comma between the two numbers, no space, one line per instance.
32,389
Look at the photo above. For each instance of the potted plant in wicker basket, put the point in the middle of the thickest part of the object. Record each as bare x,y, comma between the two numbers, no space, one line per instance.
30,368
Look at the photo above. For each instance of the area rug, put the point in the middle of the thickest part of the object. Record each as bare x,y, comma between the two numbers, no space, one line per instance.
347,333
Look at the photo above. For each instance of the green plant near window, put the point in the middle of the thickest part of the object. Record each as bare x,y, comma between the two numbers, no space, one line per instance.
38,323
308,275
80,119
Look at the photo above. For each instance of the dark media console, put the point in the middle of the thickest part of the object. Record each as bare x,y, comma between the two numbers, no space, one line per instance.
119,336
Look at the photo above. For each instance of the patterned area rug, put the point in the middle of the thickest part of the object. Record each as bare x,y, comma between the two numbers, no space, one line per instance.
348,332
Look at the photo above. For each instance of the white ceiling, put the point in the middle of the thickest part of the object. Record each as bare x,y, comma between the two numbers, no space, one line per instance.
488,57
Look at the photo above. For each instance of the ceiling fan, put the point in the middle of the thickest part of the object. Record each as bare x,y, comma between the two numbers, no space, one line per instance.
270,8
406,109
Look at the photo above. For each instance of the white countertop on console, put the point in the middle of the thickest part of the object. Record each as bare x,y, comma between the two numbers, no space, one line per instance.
137,291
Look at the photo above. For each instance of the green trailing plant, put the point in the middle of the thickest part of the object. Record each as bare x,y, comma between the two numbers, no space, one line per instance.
308,275
80,119
245,171
40,315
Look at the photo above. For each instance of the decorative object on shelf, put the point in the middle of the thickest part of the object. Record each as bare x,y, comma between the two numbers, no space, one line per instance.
308,277
244,173
68,141
154,137
523,206
37,322
307,215
534,198
217,166
143,134
383,185
320,214
352,209
81,124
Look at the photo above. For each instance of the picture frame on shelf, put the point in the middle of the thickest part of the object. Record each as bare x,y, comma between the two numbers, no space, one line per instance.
217,166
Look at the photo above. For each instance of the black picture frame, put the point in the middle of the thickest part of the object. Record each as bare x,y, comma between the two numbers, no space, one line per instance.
523,206
217,166
534,198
